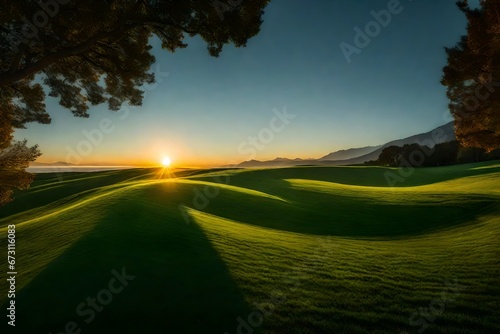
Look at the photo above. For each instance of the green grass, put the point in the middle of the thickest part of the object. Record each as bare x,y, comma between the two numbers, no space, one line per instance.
318,249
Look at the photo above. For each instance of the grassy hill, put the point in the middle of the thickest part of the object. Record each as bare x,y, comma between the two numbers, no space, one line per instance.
292,250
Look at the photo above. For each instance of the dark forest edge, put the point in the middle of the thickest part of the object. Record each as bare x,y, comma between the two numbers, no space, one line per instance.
444,154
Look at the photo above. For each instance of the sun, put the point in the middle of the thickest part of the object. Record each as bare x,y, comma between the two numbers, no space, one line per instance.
166,161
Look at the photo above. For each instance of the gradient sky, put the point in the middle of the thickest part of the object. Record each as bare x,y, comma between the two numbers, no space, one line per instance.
204,110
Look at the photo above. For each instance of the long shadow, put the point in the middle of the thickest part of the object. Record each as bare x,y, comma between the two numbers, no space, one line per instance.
363,176
180,284
316,213
336,214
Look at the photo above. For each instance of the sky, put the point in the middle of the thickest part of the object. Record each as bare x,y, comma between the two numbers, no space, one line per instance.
292,92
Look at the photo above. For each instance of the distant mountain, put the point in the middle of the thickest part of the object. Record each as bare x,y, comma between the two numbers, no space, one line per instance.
350,153
57,163
439,135
270,163
286,159
356,156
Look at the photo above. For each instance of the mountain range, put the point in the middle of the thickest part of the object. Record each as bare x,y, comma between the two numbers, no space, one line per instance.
58,163
354,156
350,153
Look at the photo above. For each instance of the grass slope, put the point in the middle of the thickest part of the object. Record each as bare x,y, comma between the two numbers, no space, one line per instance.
294,250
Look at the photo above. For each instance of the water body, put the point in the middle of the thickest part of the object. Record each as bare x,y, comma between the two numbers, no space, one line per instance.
66,169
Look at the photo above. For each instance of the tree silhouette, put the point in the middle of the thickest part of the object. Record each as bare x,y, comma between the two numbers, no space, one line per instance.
472,77
443,154
91,52
14,158
390,156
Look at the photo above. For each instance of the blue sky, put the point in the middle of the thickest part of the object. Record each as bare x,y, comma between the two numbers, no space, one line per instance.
205,109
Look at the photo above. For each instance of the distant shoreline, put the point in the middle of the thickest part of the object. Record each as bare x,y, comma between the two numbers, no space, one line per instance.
69,169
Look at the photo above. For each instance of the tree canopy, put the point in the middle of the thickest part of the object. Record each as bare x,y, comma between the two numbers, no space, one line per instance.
15,157
472,77
94,51
89,52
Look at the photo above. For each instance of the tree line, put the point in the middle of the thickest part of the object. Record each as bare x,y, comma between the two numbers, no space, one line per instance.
444,154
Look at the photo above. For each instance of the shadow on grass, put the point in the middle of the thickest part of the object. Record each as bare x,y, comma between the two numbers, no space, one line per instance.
317,213
180,286
349,215
259,179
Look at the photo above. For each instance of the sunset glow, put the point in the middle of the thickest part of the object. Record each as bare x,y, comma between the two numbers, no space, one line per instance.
166,161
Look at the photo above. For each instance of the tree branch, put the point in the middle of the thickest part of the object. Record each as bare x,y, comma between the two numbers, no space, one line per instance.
8,78
14,65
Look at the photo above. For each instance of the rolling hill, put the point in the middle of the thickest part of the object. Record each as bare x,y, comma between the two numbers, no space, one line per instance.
291,250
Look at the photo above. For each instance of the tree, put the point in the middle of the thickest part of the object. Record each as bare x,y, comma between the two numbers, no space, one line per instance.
472,77
414,155
444,154
390,156
91,52
14,158
471,154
